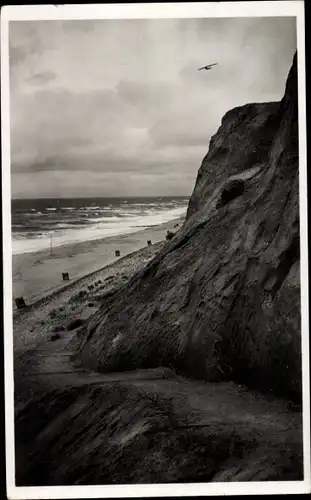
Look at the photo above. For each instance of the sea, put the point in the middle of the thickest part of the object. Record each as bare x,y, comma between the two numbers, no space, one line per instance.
39,223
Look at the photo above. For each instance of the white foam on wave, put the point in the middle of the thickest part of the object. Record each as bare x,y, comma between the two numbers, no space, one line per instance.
128,214
154,219
63,225
102,228
104,219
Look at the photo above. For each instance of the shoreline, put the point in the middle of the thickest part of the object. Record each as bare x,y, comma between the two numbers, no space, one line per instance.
76,244
36,274
78,300
54,303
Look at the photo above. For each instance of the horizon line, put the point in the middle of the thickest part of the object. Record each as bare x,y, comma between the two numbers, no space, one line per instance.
111,197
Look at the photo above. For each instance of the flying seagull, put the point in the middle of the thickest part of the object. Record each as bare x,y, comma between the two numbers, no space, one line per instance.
209,66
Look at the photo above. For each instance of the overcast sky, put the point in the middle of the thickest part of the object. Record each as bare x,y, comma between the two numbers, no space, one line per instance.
110,107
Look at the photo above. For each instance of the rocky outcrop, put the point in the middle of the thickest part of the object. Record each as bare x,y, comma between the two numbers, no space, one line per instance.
222,299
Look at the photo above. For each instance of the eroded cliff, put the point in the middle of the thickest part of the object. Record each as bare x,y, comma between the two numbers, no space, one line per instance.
222,299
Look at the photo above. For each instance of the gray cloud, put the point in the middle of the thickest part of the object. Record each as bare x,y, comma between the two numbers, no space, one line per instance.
17,54
42,78
110,107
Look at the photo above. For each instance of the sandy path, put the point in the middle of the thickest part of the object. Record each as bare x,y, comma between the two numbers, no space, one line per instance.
51,365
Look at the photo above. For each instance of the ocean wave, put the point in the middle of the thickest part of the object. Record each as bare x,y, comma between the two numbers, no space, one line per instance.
120,211
160,217
89,223
64,225
36,235
35,215
104,219
128,214
73,222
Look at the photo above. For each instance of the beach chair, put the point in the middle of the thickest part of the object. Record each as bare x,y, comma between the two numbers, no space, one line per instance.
20,302
169,235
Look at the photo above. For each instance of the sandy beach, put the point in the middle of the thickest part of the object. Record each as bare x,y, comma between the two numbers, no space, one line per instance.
93,269
36,274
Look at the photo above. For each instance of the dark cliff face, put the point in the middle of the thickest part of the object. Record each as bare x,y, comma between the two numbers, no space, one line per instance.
242,142
222,299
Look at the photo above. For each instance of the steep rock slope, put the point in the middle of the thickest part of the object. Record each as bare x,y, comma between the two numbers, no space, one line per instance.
222,299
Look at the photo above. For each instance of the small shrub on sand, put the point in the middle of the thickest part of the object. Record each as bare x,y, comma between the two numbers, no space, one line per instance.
78,296
90,287
97,297
75,323
74,297
53,313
